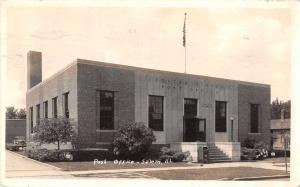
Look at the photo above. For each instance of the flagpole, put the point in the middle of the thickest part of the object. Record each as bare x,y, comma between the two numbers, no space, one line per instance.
185,59
184,41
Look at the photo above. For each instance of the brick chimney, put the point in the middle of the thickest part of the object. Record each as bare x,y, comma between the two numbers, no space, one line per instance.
34,68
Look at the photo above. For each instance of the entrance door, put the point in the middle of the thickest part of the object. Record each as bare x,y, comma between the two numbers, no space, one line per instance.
190,129
190,122
202,130
194,129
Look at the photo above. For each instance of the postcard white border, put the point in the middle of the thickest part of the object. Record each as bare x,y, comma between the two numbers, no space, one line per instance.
295,142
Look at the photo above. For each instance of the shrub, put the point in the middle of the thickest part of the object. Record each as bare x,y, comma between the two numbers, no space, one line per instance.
248,154
49,155
253,149
167,151
249,143
90,155
261,145
132,141
174,156
179,156
43,154
66,155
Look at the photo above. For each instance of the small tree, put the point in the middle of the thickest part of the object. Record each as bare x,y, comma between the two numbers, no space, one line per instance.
54,130
132,141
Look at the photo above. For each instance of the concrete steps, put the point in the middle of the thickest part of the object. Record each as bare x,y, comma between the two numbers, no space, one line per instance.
217,155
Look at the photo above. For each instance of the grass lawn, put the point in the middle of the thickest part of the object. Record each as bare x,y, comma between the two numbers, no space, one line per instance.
212,173
81,166
89,165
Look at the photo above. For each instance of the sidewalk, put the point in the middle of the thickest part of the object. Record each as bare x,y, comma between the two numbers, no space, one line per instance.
263,165
20,166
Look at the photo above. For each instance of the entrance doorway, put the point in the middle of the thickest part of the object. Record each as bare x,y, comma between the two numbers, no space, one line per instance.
202,130
194,129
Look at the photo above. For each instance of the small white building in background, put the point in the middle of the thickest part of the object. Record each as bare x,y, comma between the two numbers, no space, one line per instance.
279,129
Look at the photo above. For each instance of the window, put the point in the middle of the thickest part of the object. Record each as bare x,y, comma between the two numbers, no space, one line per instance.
106,110
190,107
221,115
46,109
156,113
38,114
31,119
254,118
54,107
66,104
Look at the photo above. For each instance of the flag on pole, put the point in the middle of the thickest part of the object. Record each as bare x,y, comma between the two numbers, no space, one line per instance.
184,40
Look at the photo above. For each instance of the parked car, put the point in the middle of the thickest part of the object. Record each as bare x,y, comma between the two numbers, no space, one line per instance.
18,144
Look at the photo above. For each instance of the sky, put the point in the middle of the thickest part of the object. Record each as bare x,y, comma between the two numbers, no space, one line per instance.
248,44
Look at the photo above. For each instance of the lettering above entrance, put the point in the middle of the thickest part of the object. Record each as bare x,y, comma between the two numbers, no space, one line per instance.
206,105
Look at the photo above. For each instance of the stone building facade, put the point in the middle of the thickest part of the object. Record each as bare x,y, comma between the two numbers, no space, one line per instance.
101,97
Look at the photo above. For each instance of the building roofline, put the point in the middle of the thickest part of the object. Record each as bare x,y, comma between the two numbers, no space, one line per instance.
134,68
53,76
120,66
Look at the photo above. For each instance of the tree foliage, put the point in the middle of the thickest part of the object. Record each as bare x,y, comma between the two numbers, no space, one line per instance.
21,114
13,113
277,106
54,130
132,141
